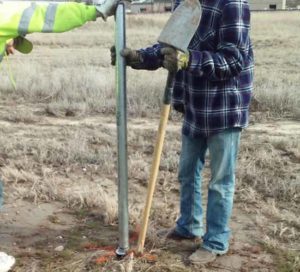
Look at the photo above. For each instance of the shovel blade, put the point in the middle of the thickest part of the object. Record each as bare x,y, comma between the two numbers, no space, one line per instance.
182,25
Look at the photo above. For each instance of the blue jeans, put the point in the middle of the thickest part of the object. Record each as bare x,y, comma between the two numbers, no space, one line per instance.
223,148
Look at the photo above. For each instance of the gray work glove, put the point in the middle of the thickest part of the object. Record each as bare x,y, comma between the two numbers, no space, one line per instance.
105,8
133,57
174,60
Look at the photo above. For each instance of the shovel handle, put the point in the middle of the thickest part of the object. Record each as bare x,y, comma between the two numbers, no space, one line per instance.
169,88
156,161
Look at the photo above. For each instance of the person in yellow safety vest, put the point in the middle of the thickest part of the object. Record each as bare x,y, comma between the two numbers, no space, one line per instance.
20,18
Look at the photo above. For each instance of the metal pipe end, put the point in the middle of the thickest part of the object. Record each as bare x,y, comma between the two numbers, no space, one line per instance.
121,252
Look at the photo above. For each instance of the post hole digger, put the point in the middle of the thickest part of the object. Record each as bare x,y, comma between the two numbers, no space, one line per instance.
177,33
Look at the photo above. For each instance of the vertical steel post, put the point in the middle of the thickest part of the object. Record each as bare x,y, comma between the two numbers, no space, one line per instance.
122,132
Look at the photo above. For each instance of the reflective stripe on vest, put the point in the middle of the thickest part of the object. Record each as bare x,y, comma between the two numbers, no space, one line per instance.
25,19
50,17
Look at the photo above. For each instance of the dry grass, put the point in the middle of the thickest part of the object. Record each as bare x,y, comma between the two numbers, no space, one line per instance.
78,80
277,78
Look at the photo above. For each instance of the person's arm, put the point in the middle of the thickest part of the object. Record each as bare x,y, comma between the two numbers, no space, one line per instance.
40,17
55,17
228,60
142,59
151,57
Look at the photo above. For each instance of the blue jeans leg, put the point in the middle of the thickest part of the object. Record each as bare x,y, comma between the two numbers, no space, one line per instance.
223,148
191,163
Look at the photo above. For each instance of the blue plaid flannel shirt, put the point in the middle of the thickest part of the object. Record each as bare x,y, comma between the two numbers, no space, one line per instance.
215,90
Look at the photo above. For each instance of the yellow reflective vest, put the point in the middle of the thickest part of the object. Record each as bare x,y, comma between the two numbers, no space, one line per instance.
21,18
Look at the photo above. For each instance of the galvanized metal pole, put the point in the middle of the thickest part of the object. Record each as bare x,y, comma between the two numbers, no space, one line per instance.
122,131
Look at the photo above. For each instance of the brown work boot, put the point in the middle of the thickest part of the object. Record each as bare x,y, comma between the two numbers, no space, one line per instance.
202,256
174,235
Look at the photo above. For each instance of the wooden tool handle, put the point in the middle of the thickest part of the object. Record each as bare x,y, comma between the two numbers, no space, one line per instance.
156,160
153,175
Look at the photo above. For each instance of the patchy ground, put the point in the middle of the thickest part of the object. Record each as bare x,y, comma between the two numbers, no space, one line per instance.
60,211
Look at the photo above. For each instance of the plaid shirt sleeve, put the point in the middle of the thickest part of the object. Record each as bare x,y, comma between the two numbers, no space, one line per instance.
152,58
232,48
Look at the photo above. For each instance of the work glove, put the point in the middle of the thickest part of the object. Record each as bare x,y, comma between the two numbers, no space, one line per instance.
133,57
105,8
174,60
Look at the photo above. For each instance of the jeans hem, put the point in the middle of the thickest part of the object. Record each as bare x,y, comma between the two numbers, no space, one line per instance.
188,235
216,251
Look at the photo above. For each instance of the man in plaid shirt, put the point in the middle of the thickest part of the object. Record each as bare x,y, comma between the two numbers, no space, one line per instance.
212,89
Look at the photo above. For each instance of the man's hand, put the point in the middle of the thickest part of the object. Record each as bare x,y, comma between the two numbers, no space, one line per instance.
174,60
105,8
10,50
133,57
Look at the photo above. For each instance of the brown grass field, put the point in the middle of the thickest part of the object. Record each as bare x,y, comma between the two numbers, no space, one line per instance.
58,152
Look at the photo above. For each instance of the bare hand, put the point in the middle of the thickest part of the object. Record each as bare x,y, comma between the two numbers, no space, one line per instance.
10,50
